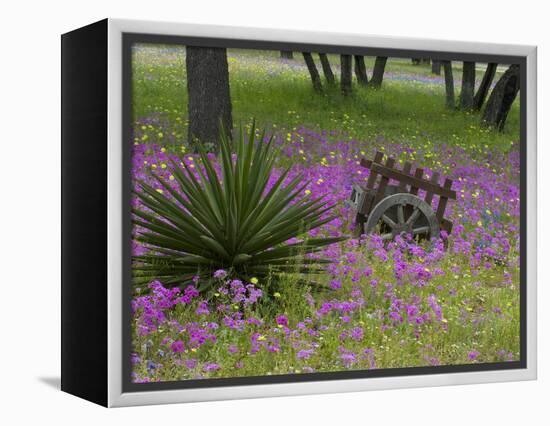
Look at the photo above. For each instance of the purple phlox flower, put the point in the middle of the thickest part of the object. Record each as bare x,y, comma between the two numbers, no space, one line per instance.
220,274
304,353
177,346
347,357
202,309
356,333
135,358
211,366
472,355
282,320
335,284
190,363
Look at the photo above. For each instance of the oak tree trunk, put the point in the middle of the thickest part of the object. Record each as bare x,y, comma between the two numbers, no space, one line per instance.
485,85
378,71
468,85
449,84
345,74
313,73
436,67
209,100
361,70
501,99
329,76
287,54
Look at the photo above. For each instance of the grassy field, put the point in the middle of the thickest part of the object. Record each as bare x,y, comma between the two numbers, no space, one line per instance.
400,305
278,94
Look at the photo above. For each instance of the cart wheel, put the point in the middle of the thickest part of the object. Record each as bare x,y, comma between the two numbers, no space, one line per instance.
402,214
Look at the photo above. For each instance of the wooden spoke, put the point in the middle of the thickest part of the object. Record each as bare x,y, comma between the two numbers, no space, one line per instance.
421,230
412,218
400,214
388,221
386,237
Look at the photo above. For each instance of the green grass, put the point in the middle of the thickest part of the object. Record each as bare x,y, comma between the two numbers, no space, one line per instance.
470,323
280,97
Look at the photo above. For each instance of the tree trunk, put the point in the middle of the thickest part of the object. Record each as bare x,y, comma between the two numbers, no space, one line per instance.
329,76
345,74
468,85
416,61
449,84
314,74
483,89
501,99
209,100
287,54
378,71
436,67
361,70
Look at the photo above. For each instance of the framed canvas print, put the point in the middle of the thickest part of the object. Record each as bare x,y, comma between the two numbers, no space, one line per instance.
251,212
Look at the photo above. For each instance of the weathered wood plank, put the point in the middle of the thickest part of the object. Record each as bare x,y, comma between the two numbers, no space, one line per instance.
406,170
446,225
371,181
430,195
440,213
418,173
381,193
373,175
414,181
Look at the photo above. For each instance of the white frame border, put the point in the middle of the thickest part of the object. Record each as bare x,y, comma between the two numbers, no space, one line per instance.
116,397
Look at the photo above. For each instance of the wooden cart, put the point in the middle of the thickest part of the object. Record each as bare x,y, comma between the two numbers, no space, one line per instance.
398,209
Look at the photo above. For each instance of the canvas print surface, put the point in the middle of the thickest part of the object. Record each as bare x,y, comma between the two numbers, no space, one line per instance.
297,213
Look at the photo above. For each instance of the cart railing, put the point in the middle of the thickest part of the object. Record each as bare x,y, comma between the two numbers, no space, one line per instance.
371,194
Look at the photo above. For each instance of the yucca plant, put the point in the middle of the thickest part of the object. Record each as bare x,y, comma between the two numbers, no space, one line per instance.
232,221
